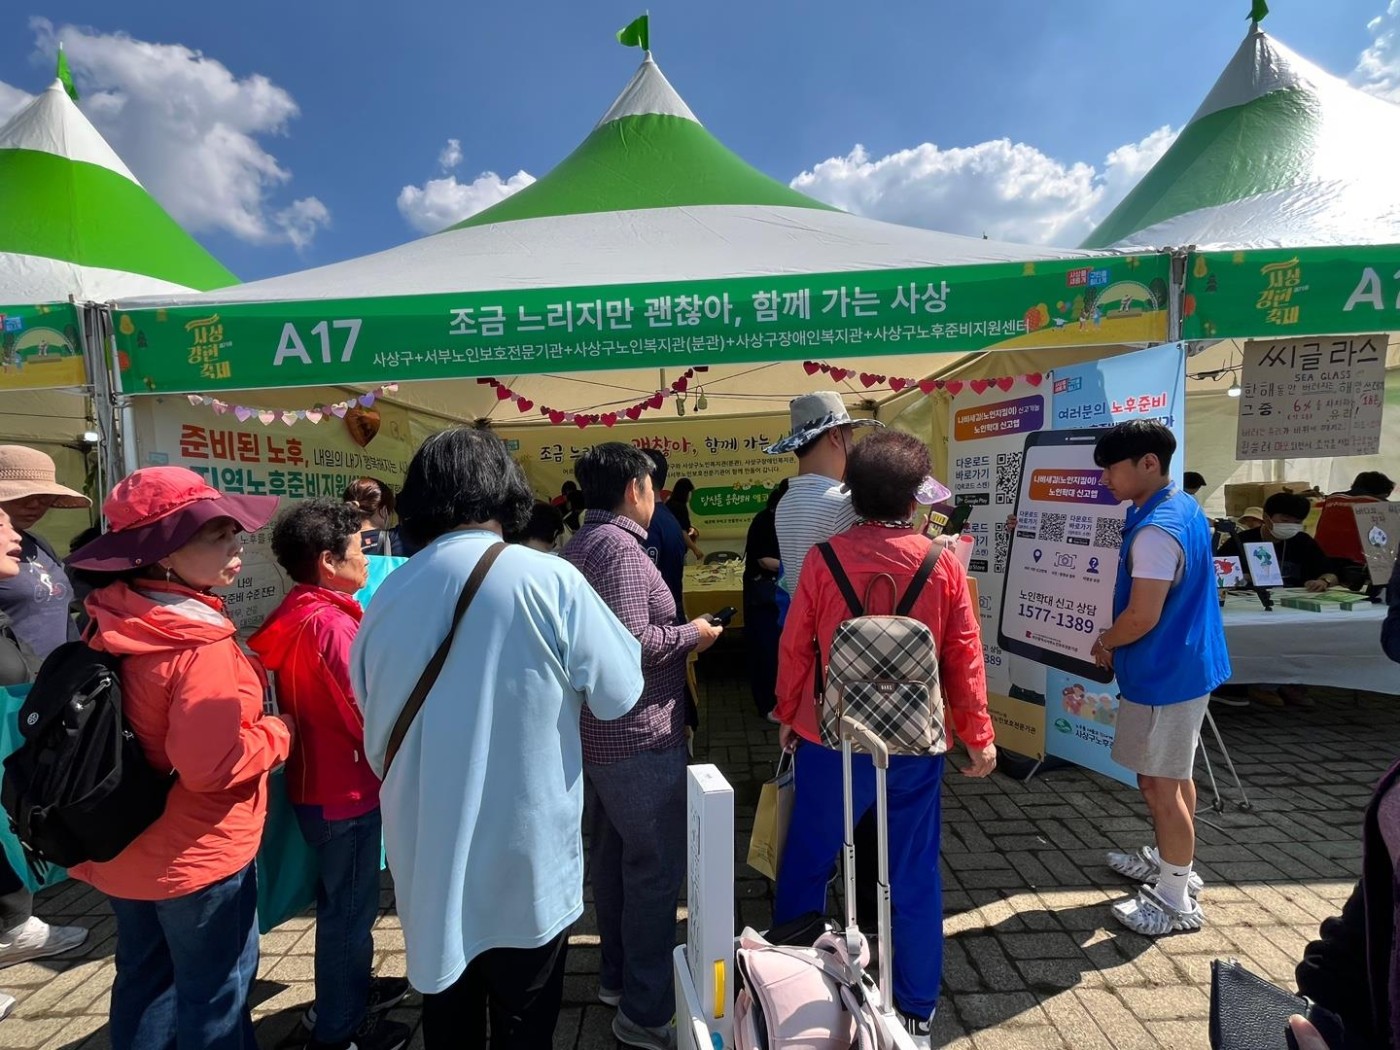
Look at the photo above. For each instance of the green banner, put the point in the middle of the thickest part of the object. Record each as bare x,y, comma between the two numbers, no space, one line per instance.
40,347
1277,293
394,339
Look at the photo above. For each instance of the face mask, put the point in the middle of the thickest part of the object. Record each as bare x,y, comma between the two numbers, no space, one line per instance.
1285,530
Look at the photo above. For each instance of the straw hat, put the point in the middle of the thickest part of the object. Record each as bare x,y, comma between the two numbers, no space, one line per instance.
26,472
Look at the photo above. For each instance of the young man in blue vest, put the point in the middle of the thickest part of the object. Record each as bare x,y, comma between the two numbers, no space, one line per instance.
1167,648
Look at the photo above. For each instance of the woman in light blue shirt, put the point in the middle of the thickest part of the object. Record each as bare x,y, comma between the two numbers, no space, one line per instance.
483,802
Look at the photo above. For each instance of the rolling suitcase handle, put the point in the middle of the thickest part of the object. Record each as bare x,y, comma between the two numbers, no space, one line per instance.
854,732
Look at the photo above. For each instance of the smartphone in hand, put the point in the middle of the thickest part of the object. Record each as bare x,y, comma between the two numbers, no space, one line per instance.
723,616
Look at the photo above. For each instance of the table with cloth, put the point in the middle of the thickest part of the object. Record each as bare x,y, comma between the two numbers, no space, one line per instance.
710,588
1286,646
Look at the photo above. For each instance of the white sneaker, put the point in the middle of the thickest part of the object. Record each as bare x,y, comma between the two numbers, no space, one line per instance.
36,939
1144,866
920,1031
1151,916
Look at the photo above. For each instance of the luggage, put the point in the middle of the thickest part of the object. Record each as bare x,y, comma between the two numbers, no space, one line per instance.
822,997
882,670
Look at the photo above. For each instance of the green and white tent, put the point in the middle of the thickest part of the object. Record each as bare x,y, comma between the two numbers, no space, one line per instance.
650,246
1281,154
75,221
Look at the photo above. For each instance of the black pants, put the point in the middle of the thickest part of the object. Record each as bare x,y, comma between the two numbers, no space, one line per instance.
519,989
761,633
16,902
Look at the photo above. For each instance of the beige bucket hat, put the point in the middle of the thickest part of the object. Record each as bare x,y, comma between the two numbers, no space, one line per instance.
26,472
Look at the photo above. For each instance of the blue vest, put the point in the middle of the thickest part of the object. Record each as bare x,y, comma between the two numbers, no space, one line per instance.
1184,656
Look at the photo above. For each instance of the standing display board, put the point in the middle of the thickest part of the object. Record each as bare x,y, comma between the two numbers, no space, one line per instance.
295,462
1309,398
1378,525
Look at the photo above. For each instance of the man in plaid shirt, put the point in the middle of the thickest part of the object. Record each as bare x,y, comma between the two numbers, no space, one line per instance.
635,766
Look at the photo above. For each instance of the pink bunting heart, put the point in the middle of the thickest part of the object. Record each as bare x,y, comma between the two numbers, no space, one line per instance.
339,411
866,379
580,421
979,386
556,417
811,367
657,400
289,418
365,400
635,412
524,404
897,384
1005,383
839,374
608,419
315,415
681,384
953,386
1034,378
928,386
242,414
503,393
266,418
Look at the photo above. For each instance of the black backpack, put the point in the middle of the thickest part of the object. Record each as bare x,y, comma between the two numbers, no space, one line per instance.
79,787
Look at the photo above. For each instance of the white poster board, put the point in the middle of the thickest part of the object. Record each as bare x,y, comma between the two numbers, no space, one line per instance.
710,896
1311,398
1263,562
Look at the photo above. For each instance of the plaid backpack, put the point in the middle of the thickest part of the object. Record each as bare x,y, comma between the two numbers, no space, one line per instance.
883,669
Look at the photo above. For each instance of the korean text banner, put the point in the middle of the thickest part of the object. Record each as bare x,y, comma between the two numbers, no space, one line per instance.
724,457
249,457
1280,293
393,339
40,347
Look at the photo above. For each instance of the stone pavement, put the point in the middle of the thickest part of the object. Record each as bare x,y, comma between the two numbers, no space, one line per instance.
1033,957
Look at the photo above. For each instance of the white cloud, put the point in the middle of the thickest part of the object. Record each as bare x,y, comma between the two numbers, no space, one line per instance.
12,99
1007,190
1378,68
190,130
439,203
451,155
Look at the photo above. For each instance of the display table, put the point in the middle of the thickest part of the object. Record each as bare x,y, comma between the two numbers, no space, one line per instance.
1292,647
710,588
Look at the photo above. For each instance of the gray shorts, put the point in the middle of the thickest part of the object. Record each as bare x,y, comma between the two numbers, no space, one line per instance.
1159,741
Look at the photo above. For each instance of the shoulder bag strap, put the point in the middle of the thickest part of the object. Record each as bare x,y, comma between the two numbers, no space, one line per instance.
843,582
916,585
428,678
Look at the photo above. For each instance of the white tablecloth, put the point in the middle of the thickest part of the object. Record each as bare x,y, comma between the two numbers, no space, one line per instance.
1291,647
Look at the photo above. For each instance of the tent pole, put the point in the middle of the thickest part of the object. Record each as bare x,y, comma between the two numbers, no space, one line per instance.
1176,294
92,331
123,416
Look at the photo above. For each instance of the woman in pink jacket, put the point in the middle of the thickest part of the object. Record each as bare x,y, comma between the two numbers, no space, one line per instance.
306,644
185,890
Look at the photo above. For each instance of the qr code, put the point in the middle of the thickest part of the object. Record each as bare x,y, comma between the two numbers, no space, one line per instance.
1001,544
1052,527
1108,532
1008,476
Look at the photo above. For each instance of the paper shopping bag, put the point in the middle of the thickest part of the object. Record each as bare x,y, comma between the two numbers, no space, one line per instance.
770,820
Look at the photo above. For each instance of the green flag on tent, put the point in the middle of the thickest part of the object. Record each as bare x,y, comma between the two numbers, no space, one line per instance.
65,75
1258,9
635,34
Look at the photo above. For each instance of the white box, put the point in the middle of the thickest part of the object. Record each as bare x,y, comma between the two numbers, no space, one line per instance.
710,899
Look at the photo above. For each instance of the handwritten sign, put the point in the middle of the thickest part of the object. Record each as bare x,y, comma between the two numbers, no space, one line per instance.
1306,398
1378,525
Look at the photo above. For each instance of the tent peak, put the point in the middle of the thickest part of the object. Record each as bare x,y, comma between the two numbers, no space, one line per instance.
1259,67
52,123
648,92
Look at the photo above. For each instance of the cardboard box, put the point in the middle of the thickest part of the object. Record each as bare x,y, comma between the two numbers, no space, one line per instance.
1254,493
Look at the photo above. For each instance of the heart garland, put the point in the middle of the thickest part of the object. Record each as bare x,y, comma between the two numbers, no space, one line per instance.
926,386
313,415
582,420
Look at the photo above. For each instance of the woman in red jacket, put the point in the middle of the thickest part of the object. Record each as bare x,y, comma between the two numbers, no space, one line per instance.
306,644
185,891
883,474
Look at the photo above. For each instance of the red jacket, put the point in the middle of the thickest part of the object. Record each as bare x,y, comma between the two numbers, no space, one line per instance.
195,703
306,643
1335,531
945,605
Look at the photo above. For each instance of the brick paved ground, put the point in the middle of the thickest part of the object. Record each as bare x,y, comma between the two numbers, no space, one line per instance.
1033,958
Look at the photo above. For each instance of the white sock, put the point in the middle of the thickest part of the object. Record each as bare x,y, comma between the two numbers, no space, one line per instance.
1172,885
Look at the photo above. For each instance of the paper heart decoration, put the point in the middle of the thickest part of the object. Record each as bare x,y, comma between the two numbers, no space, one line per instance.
315,415
524,404
220,409
979,386
580,421
680,384
839,374
657,400
339,411
266,418
556,417
365,400
503,393
608,419
194,399
1034,378
953,386
1005,383
811,367
866,379
242,414
928,386
363,424
897,384
485,381
635,412
289,418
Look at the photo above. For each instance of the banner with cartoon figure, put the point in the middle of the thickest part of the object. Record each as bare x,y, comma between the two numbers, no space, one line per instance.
40,347
258,453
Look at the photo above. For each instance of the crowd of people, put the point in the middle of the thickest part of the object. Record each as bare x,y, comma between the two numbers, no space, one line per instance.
524,672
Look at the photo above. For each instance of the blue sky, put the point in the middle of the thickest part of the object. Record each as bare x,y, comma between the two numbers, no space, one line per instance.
360,99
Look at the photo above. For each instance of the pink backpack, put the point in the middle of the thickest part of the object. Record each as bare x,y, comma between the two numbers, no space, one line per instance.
815,998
